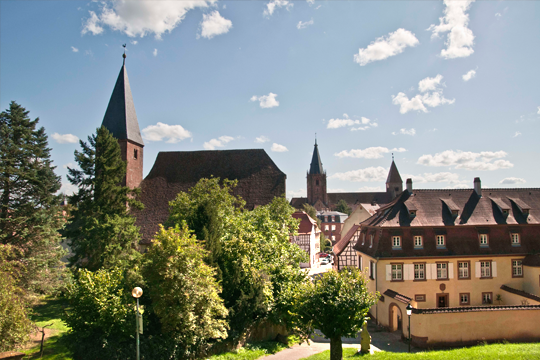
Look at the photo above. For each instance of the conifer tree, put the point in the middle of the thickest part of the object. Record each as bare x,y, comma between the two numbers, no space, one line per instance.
101,230
30,213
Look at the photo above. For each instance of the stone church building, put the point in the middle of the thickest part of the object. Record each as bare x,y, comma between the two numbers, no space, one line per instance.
259,179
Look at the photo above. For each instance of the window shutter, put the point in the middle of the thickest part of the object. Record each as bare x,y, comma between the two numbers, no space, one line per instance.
434,271
411,271
493,269
374,271
428,272
389,272
477,268
407,272
450,270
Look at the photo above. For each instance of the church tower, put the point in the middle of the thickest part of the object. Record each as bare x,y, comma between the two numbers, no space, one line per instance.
316,181
394,184
121,120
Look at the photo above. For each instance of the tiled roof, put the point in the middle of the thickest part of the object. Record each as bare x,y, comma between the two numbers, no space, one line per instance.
520,293
393,174
120,118
532,260
344,241
399,297
259,180
306,222
316,164
475,309
298,203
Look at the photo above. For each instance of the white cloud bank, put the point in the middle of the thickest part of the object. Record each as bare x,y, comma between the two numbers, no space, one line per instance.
161,131
410,132
433,96
65,138
482,161
278,148
512,181
447,177
364,123
154,52
276,4
368,153
385,47
460,38
469,75
74,49
219,142
363,175
214,24
266,101
140,18
305,24
261,139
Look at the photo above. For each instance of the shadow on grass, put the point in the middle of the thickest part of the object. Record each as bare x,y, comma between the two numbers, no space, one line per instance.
48,309
54,349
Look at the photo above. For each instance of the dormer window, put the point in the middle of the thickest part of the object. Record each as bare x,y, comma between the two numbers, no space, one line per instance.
484,240
516,239
418,243
455,213
441,241
412,213
396,242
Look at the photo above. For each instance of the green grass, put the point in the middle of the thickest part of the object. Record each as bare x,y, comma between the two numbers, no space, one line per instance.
493,351
255,350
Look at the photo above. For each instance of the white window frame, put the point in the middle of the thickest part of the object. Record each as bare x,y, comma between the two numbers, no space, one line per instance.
484,240
396,242
326,227
441,240
485,269
487,298
442,271
464,272
418,241
468,296
420,271
516,239
397,272
517,268
333,238
333,227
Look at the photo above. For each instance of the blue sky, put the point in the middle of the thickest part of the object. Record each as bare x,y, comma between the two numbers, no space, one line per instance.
452,89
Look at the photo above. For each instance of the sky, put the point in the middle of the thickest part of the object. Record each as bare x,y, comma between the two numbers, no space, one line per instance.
451,89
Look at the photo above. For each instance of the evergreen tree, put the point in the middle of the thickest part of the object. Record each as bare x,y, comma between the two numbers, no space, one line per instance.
343,207
101,230
30,213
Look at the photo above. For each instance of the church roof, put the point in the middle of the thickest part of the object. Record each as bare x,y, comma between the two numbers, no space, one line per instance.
393,174
316,164
120,118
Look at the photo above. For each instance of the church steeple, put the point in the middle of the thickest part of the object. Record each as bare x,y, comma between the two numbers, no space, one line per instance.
121,120
394,183
316,181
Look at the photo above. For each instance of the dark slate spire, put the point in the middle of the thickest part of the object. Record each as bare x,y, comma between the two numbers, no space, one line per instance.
316,164
120,118
393,174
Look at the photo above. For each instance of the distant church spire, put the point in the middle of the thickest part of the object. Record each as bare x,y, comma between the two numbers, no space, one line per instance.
394,183
316,164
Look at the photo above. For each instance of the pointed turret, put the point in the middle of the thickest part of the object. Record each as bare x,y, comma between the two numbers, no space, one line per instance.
120,118
316,164
394,183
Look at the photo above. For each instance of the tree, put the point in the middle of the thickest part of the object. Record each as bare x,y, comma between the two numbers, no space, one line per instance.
337,303
184,292
325,244
343,207
101,230
30,214
312,212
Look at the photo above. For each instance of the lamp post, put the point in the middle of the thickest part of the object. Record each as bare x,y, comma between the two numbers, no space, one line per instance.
137,293
409,312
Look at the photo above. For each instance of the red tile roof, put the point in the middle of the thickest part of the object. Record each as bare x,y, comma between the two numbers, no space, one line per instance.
520,293
475,309
306,222
397,296
344,241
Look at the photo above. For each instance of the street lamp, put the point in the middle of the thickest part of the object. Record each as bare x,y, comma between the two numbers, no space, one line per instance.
409,312
137,293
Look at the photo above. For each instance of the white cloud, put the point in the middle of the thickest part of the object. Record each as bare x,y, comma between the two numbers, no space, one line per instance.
512,181
363,175
70,165
134,42
368,153
538,110
74,49
261,139
154,52
161,131
498,15
410,132
214,24
276,4
469,75
430,84
68,188
219,142
310,2
460,38
140,18
303,25
432,97
517,134
92,25
296,193
482,161
278,148
346,121
65,138
266,101
447,177
318,7
385,47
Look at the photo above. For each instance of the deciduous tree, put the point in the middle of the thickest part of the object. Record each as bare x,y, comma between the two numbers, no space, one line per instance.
343,207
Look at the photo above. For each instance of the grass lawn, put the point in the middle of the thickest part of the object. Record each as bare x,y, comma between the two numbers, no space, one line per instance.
255,350
493,351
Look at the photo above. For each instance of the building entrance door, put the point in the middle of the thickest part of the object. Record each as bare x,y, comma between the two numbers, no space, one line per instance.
442,300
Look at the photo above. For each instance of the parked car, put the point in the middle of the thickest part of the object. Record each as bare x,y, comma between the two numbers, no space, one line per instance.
325,260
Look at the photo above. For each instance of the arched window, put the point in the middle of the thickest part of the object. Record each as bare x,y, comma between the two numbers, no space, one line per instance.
317,182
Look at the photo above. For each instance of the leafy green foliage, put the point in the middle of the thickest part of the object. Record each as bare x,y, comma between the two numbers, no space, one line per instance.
30,214
183,291
257,262
101,316
312,212
101,230
337,304
343,207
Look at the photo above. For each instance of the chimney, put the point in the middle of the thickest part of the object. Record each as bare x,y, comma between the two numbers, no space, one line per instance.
409,186
478,186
